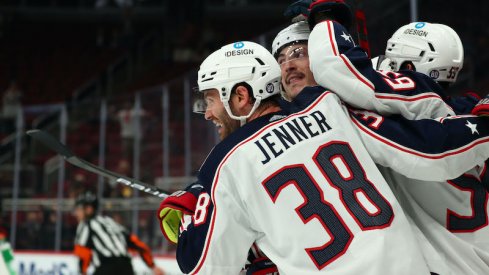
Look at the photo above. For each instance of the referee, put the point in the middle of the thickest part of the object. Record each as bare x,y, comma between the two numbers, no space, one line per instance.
102,242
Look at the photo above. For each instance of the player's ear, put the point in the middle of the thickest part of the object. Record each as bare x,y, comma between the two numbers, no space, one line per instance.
242,96
408,65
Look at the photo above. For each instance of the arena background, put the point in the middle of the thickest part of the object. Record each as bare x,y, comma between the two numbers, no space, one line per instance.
80,69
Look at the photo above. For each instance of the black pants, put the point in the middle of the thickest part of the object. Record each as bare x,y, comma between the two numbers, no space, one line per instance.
116,266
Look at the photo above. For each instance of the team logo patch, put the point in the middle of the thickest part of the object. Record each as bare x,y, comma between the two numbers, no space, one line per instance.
238,45
420,25
270,88
434,74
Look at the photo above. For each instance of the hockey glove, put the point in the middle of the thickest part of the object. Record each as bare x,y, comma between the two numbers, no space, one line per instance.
482,107
463,104
173,208
337,10
297,8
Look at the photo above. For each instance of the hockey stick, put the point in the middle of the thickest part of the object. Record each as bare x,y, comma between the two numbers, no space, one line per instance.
64,151
362,31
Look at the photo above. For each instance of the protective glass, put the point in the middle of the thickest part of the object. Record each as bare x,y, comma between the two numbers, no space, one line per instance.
294,52
199,105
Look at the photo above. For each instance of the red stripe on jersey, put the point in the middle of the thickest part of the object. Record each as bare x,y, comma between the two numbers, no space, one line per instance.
214,185
409,98
484,169
257,251
356,73
414,152
334,47
423,96
332,41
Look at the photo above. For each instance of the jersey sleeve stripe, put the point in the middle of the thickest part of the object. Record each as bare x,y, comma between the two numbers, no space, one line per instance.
357,74
334,46
429,96
408,98
332,41
399,147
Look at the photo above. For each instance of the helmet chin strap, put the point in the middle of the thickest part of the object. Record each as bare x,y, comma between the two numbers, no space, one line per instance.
242,119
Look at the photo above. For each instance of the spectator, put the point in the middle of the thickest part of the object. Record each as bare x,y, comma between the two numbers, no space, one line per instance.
128,118
11,100
29,230
11,106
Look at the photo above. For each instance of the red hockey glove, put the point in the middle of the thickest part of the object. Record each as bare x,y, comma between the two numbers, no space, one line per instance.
482,107
337,10
173,208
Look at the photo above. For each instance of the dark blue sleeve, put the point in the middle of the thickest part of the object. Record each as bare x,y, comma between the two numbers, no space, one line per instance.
462,105
191,242
426,149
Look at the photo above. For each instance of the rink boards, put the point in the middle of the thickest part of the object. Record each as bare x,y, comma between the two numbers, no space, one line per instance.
51,263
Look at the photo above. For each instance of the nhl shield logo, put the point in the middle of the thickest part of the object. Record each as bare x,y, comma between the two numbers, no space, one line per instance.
435,74
270,88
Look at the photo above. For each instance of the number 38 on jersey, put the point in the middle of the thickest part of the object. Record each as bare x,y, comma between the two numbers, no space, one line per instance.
342,170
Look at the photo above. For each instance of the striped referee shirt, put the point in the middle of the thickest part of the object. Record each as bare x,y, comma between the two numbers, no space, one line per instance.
100,239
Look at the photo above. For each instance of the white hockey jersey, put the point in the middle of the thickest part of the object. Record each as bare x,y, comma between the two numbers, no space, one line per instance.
452,215
304,188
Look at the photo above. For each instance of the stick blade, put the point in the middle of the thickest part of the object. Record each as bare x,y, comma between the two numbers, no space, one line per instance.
50,142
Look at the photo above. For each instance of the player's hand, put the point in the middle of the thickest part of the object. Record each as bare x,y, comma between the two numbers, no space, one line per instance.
297,8
262,266
482,108
337,10
173,208
158,271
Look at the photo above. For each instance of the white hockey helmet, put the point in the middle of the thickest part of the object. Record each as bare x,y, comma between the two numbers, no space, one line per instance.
297,32
236,63
434,49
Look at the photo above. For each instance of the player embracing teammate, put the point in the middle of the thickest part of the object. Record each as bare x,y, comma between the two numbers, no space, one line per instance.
301,181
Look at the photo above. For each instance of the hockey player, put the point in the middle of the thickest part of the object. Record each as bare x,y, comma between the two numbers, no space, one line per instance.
291,44
340,198
290,50
102,242
431,49
352,77
457,225
348,71
455,221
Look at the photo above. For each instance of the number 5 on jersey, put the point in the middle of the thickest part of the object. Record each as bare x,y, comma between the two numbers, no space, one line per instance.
342,171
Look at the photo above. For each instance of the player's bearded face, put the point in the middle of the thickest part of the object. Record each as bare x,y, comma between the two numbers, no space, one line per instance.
217,114
294,67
